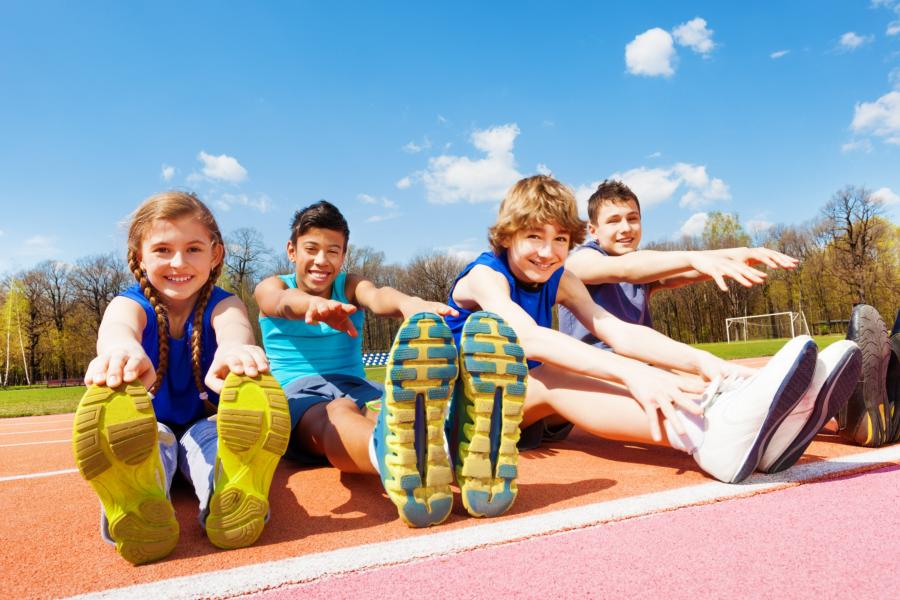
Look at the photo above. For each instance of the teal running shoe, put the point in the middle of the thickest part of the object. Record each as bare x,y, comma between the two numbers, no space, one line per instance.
409,434
491,394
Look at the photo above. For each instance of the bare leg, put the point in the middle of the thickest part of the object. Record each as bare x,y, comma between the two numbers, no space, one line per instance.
599,407
339,431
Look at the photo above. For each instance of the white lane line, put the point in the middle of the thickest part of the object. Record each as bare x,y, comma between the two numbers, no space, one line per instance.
30,431
35,443
291,571
37,475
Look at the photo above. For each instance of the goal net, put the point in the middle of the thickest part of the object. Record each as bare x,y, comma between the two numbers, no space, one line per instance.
764,327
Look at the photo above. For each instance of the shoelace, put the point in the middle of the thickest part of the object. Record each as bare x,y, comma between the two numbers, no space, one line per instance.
719,386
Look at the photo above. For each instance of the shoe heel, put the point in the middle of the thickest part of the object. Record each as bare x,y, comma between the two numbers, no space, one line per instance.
254,426
115,443
421,370
493,376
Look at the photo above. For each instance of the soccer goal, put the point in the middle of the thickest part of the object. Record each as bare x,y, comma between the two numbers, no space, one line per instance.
763,327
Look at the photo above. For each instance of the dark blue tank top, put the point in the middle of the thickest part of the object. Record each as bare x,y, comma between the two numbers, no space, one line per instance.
177,401
536,301
627,301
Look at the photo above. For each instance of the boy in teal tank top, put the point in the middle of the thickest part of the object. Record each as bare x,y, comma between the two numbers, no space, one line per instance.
311,322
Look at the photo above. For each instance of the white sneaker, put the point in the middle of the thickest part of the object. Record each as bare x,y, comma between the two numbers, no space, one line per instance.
741,415
837,370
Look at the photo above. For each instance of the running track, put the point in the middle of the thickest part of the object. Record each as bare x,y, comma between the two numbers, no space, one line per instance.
593,518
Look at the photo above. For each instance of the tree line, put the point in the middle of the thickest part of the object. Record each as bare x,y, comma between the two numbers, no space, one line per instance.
50,314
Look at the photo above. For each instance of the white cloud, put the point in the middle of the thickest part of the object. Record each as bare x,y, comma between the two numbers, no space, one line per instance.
779,53
543,169
259,202
167,172
385,202
414,148
880,118
449,179
651,54
464,250
656,185
694,225
695,35
380,218
757,226
38,247
654,155
222,167
886,196
442,119
893,28
851,40
894,78
366,199
403,183
863,145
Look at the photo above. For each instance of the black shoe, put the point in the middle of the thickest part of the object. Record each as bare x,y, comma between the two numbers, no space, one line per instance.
866,420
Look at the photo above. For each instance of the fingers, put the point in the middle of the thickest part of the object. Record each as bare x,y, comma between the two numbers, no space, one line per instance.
115,365
653,421
445,310
668,411
96,371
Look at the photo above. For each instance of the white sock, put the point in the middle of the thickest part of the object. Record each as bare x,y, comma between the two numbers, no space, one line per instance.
693,426
372,456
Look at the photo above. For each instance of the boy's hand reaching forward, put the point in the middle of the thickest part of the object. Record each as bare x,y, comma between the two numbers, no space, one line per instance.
762,256
718,267
415,305
656,390
333,313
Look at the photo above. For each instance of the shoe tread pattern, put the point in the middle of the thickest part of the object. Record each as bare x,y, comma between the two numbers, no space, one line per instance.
115,442
492,368
253,425
865,420
421,370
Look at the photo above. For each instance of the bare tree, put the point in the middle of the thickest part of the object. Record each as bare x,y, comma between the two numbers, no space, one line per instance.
430,275
245,257
854,224
96,280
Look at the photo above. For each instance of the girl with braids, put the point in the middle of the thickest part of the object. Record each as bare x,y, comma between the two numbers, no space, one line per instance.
185,340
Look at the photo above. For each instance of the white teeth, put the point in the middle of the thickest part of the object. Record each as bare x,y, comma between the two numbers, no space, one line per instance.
179,279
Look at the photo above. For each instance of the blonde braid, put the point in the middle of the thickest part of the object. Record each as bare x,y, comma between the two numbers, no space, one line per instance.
197,336
162,322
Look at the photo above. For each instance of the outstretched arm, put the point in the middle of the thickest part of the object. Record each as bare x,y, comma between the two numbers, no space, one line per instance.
275,299
649,266
637,341
120,356
388,302
746,256
652,388
237,351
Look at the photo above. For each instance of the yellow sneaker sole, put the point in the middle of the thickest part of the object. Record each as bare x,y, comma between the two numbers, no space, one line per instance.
254,426
115,444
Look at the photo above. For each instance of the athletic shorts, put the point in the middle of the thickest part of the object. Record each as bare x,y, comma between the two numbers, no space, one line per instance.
305,392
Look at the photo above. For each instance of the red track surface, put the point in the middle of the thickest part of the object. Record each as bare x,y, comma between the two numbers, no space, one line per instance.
50,546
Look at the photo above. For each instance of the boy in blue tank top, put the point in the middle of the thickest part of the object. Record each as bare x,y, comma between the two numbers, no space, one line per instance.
621,278
615,395
312,322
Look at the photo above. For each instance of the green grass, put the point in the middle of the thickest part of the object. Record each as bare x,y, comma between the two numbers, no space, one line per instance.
756,348
38,400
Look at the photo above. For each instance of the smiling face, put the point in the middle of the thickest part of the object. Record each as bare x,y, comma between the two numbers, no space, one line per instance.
535,253
178,255
617,228
317,256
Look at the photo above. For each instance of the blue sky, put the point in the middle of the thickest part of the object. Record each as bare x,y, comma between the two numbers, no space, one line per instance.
415,117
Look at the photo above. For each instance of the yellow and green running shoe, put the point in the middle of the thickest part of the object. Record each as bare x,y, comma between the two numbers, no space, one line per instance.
115,441
492,380
409,434
254,426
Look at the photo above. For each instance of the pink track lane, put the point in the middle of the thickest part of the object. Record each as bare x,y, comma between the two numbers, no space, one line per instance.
819,540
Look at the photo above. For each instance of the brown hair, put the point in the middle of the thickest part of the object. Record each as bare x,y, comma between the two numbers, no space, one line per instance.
321,215
169,206
611,191
537,200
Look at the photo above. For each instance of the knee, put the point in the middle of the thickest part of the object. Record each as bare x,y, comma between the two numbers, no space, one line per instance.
340,407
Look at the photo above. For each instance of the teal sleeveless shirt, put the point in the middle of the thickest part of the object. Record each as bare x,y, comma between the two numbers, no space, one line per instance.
296,349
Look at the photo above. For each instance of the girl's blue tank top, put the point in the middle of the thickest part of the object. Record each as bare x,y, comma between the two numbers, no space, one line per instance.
177,401
537,301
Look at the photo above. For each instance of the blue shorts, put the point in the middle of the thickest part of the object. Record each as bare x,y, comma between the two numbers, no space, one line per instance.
305,392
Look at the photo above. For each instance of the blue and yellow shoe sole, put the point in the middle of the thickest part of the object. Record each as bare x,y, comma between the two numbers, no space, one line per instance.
415,467
254,427
115,442
493,376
